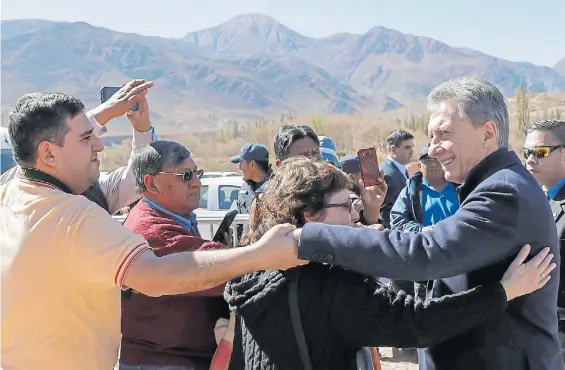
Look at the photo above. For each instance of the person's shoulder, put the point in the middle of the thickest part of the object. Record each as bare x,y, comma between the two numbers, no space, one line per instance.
386,165
83,207
514,179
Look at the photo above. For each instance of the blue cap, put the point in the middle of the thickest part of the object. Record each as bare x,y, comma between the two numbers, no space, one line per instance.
328,150
350,164
251,152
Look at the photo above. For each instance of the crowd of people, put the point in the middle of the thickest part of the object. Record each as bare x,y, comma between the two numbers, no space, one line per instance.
459,261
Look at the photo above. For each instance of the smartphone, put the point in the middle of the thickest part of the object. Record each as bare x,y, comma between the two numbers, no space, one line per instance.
107,91
225,228
369,164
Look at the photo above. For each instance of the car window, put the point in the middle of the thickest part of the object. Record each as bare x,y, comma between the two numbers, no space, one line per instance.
203,197
6,160
227,195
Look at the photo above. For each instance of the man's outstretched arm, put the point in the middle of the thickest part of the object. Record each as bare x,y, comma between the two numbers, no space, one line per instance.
480,233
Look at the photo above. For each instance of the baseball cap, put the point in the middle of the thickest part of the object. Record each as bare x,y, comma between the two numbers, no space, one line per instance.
350,164
251,152
424,152
328,150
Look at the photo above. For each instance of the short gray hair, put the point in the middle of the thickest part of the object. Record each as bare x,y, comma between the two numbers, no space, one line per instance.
555,126
154,157
478,99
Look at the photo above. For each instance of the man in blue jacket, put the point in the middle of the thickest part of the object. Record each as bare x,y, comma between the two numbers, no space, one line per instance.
502,208
426,199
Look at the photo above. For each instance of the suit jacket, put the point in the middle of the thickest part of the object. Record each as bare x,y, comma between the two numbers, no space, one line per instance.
502,208
558,208
396,182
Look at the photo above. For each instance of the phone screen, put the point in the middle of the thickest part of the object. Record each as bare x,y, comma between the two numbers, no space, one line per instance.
107,91
369,164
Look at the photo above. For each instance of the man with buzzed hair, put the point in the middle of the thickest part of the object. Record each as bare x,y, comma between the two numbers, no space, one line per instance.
544,152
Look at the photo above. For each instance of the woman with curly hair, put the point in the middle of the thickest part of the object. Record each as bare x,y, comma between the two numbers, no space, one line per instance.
342,311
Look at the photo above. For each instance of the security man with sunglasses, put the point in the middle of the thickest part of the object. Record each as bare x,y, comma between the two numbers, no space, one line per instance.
544,152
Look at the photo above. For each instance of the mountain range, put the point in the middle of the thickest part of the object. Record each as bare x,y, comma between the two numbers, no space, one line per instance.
248,67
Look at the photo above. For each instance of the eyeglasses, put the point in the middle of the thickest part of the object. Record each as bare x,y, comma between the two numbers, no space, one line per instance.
348,205
187,176
540,151
312,154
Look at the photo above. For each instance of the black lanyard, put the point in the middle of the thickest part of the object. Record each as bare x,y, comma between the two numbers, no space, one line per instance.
39,176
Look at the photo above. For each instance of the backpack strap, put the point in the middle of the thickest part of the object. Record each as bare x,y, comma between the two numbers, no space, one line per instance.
297,322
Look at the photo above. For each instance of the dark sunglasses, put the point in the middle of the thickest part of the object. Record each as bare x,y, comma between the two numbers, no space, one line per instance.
187,176
348,205
540,151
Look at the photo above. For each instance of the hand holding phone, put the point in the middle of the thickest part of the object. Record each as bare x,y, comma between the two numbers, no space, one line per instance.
107,92
223,233
369,163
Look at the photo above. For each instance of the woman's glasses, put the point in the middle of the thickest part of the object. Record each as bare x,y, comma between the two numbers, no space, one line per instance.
540,151
348,205
187,176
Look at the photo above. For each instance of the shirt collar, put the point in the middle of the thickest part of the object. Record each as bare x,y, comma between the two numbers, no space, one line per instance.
427,184
398,165
189,223
552,192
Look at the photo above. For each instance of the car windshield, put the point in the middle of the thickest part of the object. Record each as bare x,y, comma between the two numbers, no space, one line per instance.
6,160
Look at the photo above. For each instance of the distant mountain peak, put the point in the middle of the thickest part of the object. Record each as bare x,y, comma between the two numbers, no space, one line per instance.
251,18
248,32
560,67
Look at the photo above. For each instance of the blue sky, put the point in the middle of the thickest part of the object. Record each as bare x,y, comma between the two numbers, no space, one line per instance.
518,30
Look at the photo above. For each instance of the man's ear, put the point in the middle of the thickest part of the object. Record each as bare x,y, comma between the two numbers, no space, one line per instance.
45,153
490,132
149,182
393,149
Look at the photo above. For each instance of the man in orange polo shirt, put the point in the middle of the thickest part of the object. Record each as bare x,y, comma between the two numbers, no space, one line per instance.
64,259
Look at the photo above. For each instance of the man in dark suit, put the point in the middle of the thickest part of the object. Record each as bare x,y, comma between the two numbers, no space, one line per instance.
545,159
502,208
400,146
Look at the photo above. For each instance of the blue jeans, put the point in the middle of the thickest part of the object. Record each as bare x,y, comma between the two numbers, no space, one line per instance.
152,367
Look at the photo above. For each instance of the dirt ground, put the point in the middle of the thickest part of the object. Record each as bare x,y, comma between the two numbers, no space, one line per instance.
388,362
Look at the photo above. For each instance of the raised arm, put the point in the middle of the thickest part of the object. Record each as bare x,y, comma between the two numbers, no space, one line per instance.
118,185
107,253
364,313
480,233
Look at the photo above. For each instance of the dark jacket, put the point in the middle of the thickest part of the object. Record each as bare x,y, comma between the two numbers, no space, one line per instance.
341,311
174,330
412,217
396,182
245,198
558,208
502,208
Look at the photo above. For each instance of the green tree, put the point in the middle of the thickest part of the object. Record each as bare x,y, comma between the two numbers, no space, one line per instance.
522,108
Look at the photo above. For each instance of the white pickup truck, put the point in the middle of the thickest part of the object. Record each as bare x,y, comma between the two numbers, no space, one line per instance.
216,198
